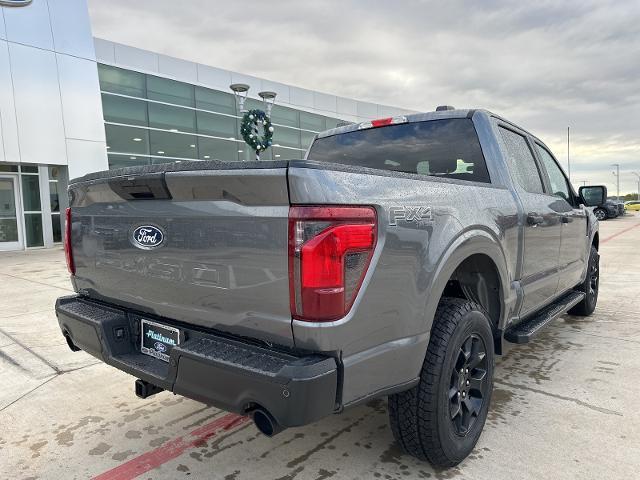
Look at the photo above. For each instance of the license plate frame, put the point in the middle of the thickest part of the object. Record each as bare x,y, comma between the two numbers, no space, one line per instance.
159,342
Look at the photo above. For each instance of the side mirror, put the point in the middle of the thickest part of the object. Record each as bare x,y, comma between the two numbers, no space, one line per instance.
593,195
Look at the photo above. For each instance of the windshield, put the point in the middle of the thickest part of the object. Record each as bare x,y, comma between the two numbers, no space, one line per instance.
444,148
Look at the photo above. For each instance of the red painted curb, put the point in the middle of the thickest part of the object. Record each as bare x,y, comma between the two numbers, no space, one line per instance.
172,449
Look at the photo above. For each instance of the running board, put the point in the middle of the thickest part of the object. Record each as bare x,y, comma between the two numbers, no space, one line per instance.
525,330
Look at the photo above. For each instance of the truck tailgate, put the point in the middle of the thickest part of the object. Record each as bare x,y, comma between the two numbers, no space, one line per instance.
222,261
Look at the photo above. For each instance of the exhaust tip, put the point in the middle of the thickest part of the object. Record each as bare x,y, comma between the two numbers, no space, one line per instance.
70,343
265,423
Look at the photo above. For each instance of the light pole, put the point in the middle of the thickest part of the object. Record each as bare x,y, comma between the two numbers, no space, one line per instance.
568,162
240,92
637,175
617,174
584,183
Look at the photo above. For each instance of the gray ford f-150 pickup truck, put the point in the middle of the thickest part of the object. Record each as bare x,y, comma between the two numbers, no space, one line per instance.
393,261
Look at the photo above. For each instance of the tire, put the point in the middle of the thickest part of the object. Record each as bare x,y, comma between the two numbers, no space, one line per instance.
589,287
422,418
600,214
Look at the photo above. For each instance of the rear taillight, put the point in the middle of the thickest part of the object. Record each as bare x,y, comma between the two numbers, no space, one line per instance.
68,253
329,252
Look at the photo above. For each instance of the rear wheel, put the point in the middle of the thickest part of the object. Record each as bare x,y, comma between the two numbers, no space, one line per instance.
600,214
441,418
589,287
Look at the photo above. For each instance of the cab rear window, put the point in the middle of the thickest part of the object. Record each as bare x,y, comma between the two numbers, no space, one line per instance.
446,148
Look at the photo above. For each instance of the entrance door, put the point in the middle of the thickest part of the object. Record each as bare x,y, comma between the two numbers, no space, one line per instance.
10,232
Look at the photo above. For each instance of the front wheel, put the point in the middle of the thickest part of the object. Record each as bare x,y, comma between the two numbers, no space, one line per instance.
441,418
589,287
600,214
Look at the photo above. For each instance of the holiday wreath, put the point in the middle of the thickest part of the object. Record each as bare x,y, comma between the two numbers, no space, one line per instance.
249,128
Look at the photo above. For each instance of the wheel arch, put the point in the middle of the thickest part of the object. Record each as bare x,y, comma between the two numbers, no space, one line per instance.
474,267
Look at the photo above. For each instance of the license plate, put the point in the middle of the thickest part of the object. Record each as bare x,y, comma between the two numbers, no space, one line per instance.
158,340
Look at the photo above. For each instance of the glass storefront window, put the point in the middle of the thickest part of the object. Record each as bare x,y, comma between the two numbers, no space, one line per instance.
214,149
8,168
172,118
168,144
124,110
287,154
127,139
54,196
289,137
215,101
29,168
123,160
284,116
8,213
33,229
173,124
156,160
216,125
310,121
118,80
170,91
57,228
31,193
306,139
331,122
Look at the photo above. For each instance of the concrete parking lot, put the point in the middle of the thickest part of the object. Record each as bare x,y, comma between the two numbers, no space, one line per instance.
565,406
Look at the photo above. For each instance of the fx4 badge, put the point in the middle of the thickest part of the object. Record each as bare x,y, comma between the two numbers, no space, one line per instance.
419,215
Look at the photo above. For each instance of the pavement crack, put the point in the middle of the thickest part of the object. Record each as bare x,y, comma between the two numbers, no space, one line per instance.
26,313
75,369
35,354
27,393
560,397
36,281
55,375
12,361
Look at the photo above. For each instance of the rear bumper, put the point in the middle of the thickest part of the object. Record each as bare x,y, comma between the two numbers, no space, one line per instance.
230,373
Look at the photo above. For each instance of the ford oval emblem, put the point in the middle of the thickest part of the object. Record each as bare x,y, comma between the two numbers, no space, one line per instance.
147,237
160,347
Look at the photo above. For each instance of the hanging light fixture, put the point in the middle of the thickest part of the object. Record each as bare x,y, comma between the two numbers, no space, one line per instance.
240,91
269,98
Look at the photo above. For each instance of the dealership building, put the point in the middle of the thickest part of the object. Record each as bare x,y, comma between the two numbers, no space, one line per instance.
71,104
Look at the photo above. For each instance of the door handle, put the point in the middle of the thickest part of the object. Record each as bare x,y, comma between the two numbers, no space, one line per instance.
534,220
566,219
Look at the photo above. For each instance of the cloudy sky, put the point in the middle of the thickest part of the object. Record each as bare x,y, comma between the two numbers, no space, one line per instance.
544,65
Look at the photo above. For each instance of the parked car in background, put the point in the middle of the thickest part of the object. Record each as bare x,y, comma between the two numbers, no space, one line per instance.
632,205
619,204
606,210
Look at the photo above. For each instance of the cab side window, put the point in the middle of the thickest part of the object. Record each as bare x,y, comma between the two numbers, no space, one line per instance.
559,186
521,161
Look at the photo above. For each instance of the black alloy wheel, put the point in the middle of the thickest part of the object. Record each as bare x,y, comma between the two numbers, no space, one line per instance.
594,277
589,286
469,385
